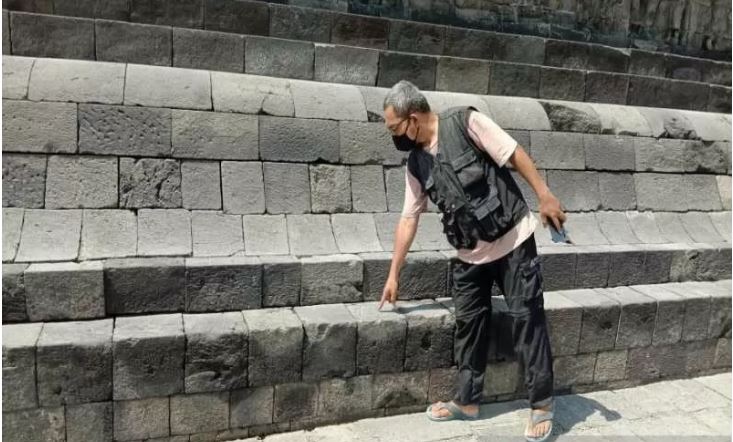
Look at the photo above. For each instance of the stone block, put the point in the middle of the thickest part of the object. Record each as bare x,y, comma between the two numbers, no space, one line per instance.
64,291
575,370
386,226
572,117
223,284
74,362
311,235
627,265
674,192
670,313
430,329
567,54
394,179
600,320
355,233
108,234
281,281
275,346
112,10
124,130
149,357
647,63
355,30
609,152
565,185
621,120
89,422
514,79
617,191
616,228
676,94
393,390
424,275
660,155
298,140
558,268
700,228
300,23
196,413
39,127
52,36
462,75
216,51
24,180
163,232
699,356
167,87
381,339
237,17
201,185
442,384
77,81
564,320
709,126
12,224
144,285
645,227
278,58
410,36
329,346
19,365
16,73
35,424
141,419
719,99
671,228
330,188
295,401
430,234
287,188
49,235
683,68
518,113
187,14
81,182
344,64
722,353
14,299
610,366
373,100
592,267
214,135
605,87
562,84
396,66
331,279
583,229
251,406
265,235
367,143
150,182
216,234
345,398
6,33
553,150
637,319
724,187
133,43
251,94
721,221
243,189
327,101
367,189
376,270
707,157
697,311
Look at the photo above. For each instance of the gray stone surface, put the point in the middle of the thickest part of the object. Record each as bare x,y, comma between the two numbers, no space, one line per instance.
462,75
668,123
236,17
605,87
64,291
514,79
719,99
647,91
616,228
113,10
367,189
74,362
108,234
24,180
265,235
396,66
644,226
367,143
343,398
49,235
89,422
376,270
302,140
394,179
424,275
81,182
609,152
163,232
558,266
564,320
300,23
330,188
344,64
386,225
195,413
12,224
724,187
617,191
327,101
572,116
148,357
251,406
39,127
669,192
621,120
310,235
295,401
223,284
52,36
660,155
637,319
14,303
138,285
573,370
216,234
430,234
562,84
124,130
77,81
281,281
592,267
430,328
708,126
216,51
553,150
141,419
391,390
201,185
243,188
700,228
381,339
275,346
251,94
355,233
132,43
671,228
518,113
331,279
16,73
355,30
670,313
565,184
697,310
6,33
167,87
600,319
721,221
287,188
214,135
278,58
707,157
19,365
47,424
150,182
374,101
329,346
627,266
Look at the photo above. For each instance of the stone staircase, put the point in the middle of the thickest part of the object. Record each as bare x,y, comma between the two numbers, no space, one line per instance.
196,255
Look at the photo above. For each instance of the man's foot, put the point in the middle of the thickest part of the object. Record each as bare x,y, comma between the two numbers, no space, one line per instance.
542,428
437,411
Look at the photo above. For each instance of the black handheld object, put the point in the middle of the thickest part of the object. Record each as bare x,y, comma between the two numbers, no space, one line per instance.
559,236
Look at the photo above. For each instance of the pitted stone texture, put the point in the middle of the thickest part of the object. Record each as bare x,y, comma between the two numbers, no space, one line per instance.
265,235
392,390
281,281
214,135
617,191
124,130
396,66
381,339
345,397
216,51
112,10
46,424
707,157
637,319
243,187
216,234
251,94
140,285
330,188
355,233
430,328
700,228
74,361
19,365
343,64
331,279
300,23
367,143
647,63
660,155
558,265
708,126
149,182
367,189
329,346
201,185
298,140
108,234
724,187
562,84
553,150
50,235
64,291
462,75
196,413
376,270
719,99
236,17
518,113
615,227
668,123
374,102
568,116
697,311
251,406
132,43
278,58
573,370
564,319
327,101
24,180
600,319
12,224
141,419
295,401
629,265
567,54
565,185
223,284
287,188
410,36
167,87
77,81
216,352
52,36
646,91
424,275
39,127
92,421
670,313
81,182
16,73
680,193
310,235
14,302
148,356
609,152
163,232
275,346
604,87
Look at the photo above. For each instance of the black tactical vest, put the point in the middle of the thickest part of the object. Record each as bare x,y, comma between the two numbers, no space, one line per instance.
478,199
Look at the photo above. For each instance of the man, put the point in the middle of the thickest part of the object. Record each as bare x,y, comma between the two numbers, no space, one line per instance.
457,159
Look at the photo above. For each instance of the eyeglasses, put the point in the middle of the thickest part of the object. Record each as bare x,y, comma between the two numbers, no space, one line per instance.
393,128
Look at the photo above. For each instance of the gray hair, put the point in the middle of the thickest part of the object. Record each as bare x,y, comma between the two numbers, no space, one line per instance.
406,98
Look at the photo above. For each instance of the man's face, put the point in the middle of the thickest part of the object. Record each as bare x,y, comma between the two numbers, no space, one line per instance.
396,125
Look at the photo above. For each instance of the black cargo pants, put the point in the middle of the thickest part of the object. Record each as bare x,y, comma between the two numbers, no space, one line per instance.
519,278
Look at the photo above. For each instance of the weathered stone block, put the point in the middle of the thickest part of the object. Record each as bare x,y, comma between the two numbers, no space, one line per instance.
396,66
300,23
722,353
298,140
216,51
350,397
394,179
47,424
343,64
617,191
148,182
719,99
609,152
39,127
287,188
275,346
201,185
265,235
243,188
409,36
615,227
330,188
167,87
571,371
64,291
660,155
251,94
77,81
237,17
19,365
430,328
252,406
605,87
278,58
124,130
367,189
329,346
141,419
424,275
565,185
355,233
709,126
400,389
707,157
365,143
670,314
638,314
697,311
144,285
187,13
295,401
12,224
572,117
724,187
381,339
553,150
647,63
567,54
600,319
108,234
676,94
132,43
355,30
330,279
462,75
626,266
80,182
518,113
38,35
221,284
700,227
562,84
558,269
281,281
24,180
311,235
564,320
214,135
327,101
442,384
16,71
514,79
201,412
14,302
216,234
50,235
89,422
163,232
674,192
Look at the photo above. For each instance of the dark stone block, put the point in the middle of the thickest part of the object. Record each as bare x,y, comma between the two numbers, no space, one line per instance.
604,87
217,51
354,30
606,59
720,99
24,180
558,271
683,68
182,13
462,75
150,182
566,54
106,9
39,6
469,43
647,63
418,69
300,23
14,306
133,43
716,72
238,16
278,58
516,48
676,94
6,33
562,84
144,285
514,79
626,268
51,36
422,38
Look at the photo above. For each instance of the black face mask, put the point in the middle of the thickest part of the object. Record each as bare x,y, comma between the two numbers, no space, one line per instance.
404,143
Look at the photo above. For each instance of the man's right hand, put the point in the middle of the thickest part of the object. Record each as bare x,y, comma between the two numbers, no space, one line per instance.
389,294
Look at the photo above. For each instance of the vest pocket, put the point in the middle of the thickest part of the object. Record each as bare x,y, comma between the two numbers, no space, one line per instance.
488,213
468,169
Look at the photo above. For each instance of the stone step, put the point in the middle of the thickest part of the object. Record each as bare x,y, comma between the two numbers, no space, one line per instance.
547,70
238,374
